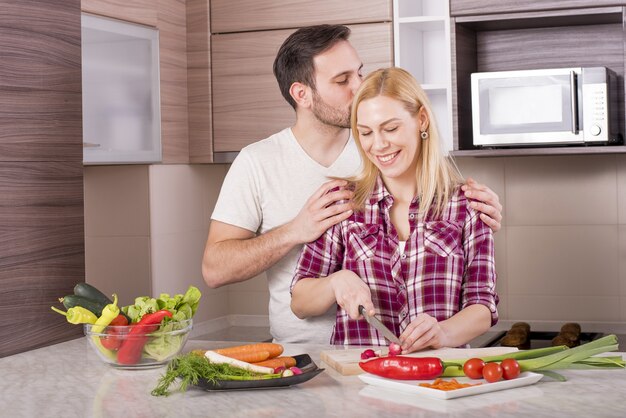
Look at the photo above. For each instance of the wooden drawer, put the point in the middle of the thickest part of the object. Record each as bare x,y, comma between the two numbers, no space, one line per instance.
250,15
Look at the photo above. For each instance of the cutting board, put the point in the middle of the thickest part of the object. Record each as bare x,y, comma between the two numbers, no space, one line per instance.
346,361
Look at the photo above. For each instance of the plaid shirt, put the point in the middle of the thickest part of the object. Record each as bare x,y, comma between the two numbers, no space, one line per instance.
447,264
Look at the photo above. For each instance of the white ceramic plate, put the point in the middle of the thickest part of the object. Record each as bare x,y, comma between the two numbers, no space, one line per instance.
412,386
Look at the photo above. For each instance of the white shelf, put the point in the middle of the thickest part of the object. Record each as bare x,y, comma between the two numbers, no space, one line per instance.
422,47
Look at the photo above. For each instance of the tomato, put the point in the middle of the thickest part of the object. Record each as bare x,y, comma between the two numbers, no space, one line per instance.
492,372
473,368
510,368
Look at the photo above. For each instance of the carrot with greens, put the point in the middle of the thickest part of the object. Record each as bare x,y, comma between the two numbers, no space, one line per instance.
273,349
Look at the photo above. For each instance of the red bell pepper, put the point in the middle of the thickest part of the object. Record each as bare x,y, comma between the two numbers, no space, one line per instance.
404,368
132,346
111,341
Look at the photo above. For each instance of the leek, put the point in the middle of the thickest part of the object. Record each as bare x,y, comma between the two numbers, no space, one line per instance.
554,358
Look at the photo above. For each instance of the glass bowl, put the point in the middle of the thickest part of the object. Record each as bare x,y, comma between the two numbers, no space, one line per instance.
138,346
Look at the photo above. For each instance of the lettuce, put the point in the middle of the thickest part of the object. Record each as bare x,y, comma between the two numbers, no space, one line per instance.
181,306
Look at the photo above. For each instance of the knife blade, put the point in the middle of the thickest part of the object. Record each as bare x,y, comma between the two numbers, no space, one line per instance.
380,327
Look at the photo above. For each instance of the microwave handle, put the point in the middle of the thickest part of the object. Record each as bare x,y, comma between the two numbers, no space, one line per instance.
574,94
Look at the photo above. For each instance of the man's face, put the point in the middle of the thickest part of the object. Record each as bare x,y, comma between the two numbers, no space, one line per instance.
337,77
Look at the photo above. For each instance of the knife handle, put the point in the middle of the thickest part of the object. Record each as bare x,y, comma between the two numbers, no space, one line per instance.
362,310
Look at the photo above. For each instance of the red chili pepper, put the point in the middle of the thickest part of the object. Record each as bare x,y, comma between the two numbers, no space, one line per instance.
132,346
111,342
404,368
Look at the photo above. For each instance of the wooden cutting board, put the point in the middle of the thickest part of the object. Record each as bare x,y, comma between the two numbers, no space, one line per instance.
346,361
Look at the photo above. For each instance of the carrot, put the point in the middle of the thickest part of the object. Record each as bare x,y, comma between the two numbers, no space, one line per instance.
447,385
286,362
251,357
274,350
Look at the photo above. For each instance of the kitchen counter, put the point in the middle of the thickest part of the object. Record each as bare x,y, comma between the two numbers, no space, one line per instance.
69,380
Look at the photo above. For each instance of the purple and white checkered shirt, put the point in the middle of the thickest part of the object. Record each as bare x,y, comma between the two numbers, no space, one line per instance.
447,265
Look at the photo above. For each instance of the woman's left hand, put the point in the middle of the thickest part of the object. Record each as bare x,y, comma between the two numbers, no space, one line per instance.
423,332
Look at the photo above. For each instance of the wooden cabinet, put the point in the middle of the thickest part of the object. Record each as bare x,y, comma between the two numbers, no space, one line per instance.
41,183
252,15
581,37
482,7
170,17
137,11
247,104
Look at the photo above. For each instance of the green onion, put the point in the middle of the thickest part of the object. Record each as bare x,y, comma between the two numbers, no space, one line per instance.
554,358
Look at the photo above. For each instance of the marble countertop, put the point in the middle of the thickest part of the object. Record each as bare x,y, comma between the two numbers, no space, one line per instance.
69,380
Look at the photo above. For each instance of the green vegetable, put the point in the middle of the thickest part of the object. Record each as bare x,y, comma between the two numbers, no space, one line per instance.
88,291
161,346
109,313
190,368
555,358
181,306
92,305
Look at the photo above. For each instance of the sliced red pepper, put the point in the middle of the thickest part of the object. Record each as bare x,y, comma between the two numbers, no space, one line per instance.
404,368
132,346
111,341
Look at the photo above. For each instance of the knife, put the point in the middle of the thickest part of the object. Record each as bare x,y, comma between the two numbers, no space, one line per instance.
380,327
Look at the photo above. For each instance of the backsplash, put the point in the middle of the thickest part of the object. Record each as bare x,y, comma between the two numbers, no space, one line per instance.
561,253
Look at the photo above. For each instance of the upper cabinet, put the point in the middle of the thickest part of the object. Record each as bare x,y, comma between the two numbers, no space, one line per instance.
245,36
138,11
422,47
121,110
505,35
253,15
169,17
247,104
481,7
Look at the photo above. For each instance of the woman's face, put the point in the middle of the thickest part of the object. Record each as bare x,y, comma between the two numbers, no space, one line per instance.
389,135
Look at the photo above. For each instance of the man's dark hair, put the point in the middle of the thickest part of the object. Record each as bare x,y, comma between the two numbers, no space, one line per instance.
294,61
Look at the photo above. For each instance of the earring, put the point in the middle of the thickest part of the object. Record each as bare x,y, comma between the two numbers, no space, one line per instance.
424,135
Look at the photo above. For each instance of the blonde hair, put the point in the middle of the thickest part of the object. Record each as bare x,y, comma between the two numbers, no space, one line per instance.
437,176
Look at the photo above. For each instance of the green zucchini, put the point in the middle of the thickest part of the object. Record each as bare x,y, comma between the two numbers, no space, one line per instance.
92,305
88,291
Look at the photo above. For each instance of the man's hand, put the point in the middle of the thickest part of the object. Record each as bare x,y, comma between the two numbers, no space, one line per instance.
320,211
350,292
485,201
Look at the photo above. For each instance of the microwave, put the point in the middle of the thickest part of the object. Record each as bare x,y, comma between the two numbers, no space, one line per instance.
545,107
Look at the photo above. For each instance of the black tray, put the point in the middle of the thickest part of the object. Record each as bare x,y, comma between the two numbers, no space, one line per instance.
303,361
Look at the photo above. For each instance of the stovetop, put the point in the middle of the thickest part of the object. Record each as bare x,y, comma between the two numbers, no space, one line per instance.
541,339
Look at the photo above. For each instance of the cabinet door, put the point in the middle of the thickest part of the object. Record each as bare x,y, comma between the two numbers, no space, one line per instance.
249,15
474,7
247,104
137,11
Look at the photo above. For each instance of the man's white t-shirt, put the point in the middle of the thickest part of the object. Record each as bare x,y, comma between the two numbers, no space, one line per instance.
267,185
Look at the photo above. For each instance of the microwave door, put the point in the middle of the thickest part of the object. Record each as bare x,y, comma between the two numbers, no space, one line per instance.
527,110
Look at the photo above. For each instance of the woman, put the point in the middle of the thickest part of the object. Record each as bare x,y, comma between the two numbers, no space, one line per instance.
414,253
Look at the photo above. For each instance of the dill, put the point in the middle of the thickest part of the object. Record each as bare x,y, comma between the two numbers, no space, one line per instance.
190,368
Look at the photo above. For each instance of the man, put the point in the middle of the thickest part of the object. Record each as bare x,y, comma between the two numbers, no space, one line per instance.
276,195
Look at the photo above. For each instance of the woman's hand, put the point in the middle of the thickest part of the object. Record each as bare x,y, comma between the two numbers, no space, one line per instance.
423,332
350,292
485,201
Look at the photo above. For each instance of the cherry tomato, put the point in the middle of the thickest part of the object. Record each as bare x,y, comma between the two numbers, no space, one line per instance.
473,368
510,368
492,372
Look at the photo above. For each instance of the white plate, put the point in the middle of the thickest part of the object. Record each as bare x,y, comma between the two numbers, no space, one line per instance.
412,386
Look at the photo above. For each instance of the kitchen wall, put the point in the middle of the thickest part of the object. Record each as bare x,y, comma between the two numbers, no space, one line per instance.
146,227
560,254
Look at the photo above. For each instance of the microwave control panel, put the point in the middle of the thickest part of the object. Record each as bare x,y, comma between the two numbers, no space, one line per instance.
595,113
